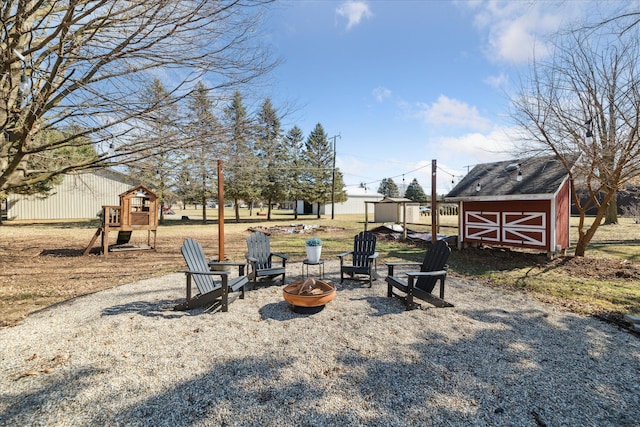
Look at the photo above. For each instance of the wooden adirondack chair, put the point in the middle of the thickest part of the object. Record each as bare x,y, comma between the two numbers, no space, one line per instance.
420,284
363,258
260,257
212,293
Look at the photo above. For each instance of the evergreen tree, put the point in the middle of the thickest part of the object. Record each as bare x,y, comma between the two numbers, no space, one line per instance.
340,194
318,157
388,188
159,125
200,165
293,146
273,156
242,166
415,192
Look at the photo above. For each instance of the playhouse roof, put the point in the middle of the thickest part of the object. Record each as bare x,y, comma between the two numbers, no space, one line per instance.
541,178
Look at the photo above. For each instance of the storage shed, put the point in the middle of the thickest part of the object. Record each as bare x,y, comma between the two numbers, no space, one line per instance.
355,203
523,203
396,210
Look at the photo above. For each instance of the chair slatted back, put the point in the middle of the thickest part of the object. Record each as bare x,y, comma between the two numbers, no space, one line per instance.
364,245
259,247
434,260
196,261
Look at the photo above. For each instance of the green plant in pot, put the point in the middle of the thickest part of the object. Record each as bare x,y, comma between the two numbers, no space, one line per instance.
314,249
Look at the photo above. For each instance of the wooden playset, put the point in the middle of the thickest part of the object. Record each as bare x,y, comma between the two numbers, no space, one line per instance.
138,210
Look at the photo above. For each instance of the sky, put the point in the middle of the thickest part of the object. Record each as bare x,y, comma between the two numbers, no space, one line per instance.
401,83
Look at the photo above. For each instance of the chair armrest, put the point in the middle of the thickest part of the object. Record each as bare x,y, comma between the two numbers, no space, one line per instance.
391,265
250,258
344,254
374,255
208,273
427,273
407,263
283,256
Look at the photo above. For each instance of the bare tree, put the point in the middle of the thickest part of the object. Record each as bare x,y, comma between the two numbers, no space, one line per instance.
584,103
82,62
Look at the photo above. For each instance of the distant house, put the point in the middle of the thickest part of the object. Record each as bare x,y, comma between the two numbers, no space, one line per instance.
80,196
523,203
355,203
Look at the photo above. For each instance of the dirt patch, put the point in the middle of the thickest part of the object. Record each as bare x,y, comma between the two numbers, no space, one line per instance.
294,229
602,268
500,259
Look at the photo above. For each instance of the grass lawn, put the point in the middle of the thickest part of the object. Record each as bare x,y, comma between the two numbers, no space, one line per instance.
42,264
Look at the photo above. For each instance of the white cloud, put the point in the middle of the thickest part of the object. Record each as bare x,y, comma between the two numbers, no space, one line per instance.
451,112
501,81
381,93
516,31
354,11
475,148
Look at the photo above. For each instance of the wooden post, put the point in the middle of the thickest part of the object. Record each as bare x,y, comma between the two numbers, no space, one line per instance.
220,213
366,215
404,220
434,203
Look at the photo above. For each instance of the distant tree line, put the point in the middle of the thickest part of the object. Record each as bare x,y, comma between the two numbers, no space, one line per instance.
414,191
262,163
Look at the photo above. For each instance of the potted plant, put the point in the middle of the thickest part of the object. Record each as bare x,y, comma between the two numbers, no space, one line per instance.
314,249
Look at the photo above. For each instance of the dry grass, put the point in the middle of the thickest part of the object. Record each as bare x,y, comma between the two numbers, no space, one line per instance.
43,264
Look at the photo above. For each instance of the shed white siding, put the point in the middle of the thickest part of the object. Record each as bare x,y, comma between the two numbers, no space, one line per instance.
393,212
79,196
355,204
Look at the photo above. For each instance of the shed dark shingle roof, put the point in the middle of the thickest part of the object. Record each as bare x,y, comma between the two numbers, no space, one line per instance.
540,176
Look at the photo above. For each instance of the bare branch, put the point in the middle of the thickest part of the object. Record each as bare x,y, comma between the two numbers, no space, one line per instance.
86,61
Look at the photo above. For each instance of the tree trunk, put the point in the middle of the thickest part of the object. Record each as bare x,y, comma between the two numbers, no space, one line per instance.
611,213
161,204
581,247
204,208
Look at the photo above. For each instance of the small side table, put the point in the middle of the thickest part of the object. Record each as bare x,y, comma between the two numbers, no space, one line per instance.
308,263
217,265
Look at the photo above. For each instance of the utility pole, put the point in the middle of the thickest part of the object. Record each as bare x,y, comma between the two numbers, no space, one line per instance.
333,176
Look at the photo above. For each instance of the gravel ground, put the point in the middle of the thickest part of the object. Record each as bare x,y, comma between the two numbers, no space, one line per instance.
123,357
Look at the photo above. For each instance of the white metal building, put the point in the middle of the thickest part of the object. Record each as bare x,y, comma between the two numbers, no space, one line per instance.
79,196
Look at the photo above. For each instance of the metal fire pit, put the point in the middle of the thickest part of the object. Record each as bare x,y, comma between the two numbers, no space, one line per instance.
309,295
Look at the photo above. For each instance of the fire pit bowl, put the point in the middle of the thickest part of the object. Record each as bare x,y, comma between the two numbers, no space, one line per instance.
308,294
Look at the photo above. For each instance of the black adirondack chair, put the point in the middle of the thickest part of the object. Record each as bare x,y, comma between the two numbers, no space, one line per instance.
420,284
363,258
260,259
212,293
